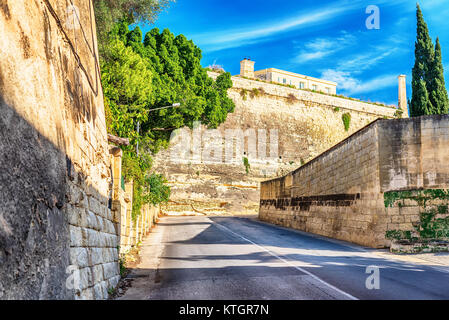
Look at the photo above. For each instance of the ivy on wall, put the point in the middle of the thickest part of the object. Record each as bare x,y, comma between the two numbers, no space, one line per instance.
431,224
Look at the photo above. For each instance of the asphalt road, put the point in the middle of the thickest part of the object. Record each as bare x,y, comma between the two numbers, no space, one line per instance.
239,259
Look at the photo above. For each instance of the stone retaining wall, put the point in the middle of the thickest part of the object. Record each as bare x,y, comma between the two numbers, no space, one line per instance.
340,193
55,218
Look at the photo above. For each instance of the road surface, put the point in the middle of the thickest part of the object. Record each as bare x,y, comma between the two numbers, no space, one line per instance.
239,258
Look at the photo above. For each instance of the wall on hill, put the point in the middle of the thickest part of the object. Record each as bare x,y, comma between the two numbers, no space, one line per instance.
345,193
296,125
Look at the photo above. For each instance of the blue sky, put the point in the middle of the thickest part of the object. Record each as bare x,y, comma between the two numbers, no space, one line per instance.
325,39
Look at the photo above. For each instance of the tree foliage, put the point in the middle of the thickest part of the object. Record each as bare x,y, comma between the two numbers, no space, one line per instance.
438,93
176,77
140,74
429,95
160,192
109,12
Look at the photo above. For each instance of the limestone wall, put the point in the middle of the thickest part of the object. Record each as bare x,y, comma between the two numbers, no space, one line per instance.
54,156
343,192
305,124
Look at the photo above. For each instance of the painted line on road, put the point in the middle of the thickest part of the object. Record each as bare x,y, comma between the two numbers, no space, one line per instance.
287,262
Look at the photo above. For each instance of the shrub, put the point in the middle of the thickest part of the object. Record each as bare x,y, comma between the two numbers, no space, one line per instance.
254,93
291,98
246,164
346,117
243,93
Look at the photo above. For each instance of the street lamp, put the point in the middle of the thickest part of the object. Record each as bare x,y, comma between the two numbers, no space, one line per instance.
174,105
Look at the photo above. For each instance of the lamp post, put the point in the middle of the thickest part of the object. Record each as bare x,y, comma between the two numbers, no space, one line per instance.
174,105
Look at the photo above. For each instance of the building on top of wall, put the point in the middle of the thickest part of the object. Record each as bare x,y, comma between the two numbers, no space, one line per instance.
286,77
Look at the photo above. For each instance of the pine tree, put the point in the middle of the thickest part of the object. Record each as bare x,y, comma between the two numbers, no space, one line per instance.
421,75
437,89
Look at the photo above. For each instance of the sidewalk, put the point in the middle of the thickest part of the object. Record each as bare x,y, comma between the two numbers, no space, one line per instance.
439,260
146,270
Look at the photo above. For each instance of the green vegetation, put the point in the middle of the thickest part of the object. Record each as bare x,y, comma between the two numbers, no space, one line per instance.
246,164
398,235
336,109
429,94
346,117
109,12
122,265
254,93
438,93
398,113
243,94
138,76
430,225
160,192
420,196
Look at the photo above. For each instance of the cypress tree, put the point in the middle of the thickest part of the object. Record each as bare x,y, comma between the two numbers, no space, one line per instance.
421,75
422,100
437,89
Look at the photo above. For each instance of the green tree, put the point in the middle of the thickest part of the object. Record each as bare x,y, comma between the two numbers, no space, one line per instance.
437,91
139,76
424,55
178,77
109,12
421,99
126,79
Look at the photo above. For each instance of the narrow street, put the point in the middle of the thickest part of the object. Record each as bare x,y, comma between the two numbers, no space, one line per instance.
240,258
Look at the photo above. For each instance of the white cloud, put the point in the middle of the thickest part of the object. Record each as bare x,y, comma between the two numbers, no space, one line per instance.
348,69
231,38
322,47
218,40
365,61
351,85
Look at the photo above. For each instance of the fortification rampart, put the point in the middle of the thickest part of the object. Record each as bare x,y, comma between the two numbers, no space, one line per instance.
303,125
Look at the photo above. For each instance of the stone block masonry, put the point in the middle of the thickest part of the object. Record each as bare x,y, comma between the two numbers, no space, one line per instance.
343,192
59,230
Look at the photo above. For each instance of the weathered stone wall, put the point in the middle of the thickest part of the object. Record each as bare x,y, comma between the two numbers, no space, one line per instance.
414,171
54,155
342,193
306,125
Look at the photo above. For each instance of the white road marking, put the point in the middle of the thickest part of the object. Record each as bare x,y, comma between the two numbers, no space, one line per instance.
287,262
